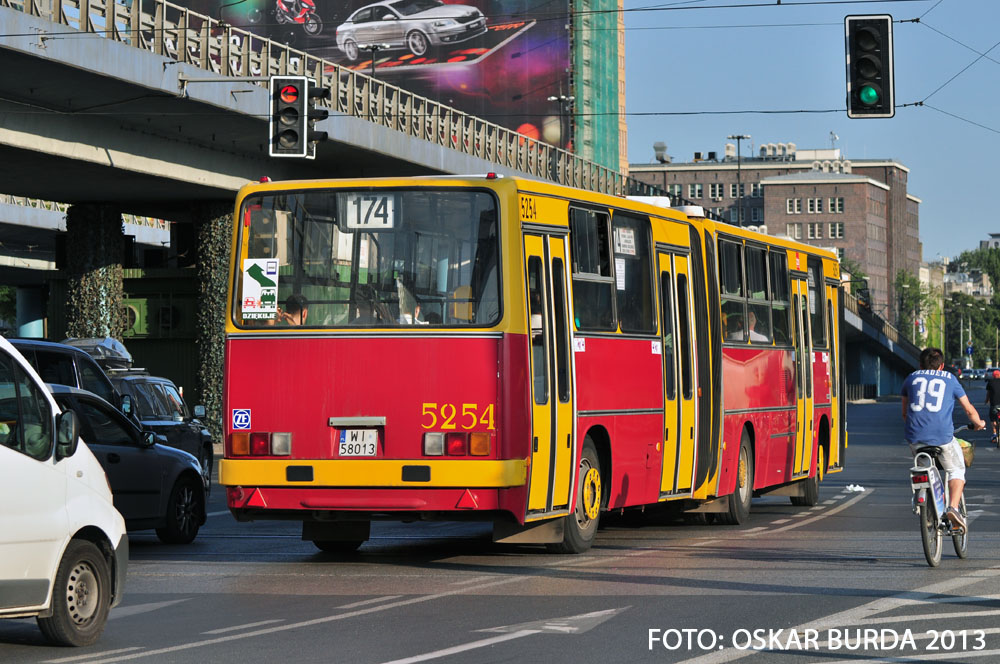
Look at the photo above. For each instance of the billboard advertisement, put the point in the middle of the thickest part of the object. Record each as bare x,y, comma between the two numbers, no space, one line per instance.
499,60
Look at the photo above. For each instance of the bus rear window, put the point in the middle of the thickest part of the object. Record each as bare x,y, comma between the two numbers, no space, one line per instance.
325,258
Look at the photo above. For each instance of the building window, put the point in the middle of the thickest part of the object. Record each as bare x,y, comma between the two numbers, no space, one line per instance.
793,205
836,205
814,205
840,254
674,190
836,229
756,215
715,190
794,231
755,190
814,231
735,192
694,191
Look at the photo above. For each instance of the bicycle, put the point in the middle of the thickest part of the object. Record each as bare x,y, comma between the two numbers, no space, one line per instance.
930,502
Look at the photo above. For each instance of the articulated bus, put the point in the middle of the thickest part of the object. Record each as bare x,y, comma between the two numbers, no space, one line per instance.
518,352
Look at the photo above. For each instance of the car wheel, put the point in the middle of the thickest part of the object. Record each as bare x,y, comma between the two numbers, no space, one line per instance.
417,42
351,50
183,513
81,597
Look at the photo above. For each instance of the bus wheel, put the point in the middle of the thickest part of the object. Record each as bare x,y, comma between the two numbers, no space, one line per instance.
811,485
739,501
581,525
338,546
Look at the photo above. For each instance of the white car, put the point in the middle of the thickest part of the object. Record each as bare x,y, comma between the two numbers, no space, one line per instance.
63,547
417,25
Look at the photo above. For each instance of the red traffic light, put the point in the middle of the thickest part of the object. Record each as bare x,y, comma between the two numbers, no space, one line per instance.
289,94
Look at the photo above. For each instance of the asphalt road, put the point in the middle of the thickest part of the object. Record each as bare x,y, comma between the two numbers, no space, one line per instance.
837,582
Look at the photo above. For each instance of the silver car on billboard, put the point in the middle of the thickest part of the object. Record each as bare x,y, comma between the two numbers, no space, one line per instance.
416,25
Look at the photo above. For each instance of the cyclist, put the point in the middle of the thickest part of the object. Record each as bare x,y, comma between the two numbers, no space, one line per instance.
993,400
928,395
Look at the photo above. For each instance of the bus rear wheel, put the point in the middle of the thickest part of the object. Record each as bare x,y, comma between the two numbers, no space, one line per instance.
739,500
581,524
810,485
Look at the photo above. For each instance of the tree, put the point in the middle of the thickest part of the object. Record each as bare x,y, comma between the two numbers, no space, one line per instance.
915,302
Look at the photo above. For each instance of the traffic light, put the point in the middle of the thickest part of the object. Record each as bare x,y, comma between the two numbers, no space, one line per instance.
869,66
289,116
314,115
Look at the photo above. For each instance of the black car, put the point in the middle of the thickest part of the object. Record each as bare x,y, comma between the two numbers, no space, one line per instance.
66,365
156,403
153,485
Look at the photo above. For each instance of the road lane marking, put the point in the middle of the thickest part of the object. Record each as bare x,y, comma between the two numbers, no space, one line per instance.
751,530
817,517
236,628
307,623
366,602
218,513
482,643
857,614
934,616
78,658
829,502
136,609
780,521
964,654
475,579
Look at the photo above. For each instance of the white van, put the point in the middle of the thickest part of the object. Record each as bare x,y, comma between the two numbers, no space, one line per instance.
63,547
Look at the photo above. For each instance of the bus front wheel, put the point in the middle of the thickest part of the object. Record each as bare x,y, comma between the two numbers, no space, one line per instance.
581,524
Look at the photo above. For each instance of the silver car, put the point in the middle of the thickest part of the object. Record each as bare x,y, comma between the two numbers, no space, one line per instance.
416,25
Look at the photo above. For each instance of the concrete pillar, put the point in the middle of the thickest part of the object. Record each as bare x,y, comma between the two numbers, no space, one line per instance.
94,243
213,225
30,303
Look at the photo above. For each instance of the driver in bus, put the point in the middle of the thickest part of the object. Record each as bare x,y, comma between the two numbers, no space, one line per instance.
929,395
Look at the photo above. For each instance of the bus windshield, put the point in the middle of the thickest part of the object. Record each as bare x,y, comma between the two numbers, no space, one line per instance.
330,258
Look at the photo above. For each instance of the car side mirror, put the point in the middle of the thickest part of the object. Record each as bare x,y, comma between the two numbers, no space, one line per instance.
199,411
67,434
126,404
148,438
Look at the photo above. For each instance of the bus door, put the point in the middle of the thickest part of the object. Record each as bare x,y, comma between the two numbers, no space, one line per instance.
677,476
803,379
553,452
832,311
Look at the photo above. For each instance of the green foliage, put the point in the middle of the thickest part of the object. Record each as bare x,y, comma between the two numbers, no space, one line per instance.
214,240
94,293
985,260
8,304
961,311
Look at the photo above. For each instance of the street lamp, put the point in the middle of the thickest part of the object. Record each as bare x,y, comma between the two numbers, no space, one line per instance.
739,182
565,126
373,49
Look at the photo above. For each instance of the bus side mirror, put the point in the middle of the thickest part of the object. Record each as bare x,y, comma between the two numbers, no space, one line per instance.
67,434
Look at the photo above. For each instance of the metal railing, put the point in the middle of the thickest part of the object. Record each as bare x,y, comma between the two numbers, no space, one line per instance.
177,33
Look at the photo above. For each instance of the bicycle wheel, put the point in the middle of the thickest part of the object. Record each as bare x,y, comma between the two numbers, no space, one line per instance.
962,541
930,536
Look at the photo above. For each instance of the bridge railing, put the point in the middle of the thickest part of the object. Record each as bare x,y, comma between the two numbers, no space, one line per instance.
880,324
175,32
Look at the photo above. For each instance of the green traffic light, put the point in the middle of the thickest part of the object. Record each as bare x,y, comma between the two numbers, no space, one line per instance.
868,95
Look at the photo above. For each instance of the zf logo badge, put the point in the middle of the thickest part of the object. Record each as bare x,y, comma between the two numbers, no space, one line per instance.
241,418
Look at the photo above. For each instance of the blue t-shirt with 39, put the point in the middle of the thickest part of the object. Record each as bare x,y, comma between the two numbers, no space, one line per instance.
931,395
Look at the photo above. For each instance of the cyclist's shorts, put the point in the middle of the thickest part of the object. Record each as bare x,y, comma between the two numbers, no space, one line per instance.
951,459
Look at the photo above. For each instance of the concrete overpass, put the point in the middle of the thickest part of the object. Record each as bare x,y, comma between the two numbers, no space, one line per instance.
877,358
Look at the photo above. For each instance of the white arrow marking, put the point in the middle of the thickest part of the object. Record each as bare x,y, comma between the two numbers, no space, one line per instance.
568,625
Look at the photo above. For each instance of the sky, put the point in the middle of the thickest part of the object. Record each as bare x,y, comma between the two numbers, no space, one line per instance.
712,56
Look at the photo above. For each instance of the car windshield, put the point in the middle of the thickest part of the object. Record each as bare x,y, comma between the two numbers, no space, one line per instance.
410,7
373,258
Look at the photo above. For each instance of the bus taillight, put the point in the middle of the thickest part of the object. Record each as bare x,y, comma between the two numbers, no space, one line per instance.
260,443
457,443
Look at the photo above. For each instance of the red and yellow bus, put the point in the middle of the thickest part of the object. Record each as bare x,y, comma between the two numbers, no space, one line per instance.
502,349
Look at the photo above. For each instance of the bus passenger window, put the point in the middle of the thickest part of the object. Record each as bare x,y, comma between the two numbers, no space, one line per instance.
633,275
817,294
593,285
758,306
734,308
780,308
536,328
684,325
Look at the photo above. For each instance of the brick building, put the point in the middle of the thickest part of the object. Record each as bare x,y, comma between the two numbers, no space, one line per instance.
860,207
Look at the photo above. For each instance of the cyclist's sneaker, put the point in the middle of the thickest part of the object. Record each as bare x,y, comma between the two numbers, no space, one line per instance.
956,518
